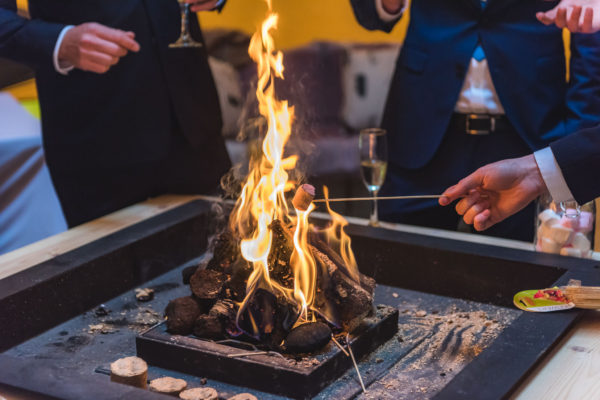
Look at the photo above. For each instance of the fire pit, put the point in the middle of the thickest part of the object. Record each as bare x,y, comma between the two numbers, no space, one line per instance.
278,289
46,311
276,281
230,361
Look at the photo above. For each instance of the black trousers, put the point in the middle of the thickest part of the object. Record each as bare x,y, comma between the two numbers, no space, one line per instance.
459,155
90,192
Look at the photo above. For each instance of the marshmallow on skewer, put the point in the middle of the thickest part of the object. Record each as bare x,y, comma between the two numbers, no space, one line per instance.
303,197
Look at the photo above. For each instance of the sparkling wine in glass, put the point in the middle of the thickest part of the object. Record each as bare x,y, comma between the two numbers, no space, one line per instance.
185,39
373,164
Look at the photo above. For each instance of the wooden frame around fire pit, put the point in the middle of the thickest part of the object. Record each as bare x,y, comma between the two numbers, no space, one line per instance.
47,294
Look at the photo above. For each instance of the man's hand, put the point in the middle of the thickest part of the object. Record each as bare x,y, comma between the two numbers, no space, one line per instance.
575,15
392,6
496,191
94,47
202,5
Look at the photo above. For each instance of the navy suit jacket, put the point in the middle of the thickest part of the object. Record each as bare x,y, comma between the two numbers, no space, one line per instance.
526,61
578,156
128,114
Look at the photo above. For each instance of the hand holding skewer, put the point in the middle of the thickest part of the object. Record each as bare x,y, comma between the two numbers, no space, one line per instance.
509,186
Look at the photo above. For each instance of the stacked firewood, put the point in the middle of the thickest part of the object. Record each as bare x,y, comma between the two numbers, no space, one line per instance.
218,288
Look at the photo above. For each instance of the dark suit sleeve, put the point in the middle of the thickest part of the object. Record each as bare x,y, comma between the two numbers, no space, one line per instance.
367,16
30,42
578,156
583,95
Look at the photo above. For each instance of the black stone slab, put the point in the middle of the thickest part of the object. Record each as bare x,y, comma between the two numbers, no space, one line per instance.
269,373
73,349
49,293
45,380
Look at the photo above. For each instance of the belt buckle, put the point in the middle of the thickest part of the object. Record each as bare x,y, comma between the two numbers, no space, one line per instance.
476,132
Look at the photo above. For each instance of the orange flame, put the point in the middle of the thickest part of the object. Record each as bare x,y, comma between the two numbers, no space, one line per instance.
262,200
339,241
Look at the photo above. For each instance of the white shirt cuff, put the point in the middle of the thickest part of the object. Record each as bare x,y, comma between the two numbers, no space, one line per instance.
61,69
386,16
552,175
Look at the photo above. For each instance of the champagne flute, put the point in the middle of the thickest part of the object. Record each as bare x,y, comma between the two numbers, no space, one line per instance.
373,164
185,39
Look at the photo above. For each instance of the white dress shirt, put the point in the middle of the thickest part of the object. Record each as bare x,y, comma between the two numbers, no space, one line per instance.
552,175
478,95
61,68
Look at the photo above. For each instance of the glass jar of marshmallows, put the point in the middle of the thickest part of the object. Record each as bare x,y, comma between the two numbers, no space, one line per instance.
565,228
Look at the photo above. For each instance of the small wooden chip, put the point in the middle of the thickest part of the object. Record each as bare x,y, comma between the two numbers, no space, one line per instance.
205,393
131,371
145,294
243,396
168,385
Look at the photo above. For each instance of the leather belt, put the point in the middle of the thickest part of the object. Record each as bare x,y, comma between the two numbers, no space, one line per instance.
480,124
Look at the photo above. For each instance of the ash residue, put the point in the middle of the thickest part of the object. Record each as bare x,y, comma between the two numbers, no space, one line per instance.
455,335
137,320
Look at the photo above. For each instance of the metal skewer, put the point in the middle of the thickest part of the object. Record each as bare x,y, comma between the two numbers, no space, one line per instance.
425,196
339,346
362,384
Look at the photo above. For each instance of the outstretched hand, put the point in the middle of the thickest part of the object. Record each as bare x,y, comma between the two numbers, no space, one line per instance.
496,191
578,16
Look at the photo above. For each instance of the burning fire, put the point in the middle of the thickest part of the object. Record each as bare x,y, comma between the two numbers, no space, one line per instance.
263,197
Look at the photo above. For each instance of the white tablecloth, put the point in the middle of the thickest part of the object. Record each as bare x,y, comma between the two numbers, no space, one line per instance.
29,208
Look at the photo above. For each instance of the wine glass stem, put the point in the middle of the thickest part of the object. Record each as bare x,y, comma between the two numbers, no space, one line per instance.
374,220
185,15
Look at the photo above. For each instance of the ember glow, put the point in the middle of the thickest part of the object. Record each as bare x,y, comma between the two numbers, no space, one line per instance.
263,198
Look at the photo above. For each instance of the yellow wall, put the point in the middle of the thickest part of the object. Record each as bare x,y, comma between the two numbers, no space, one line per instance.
301,21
